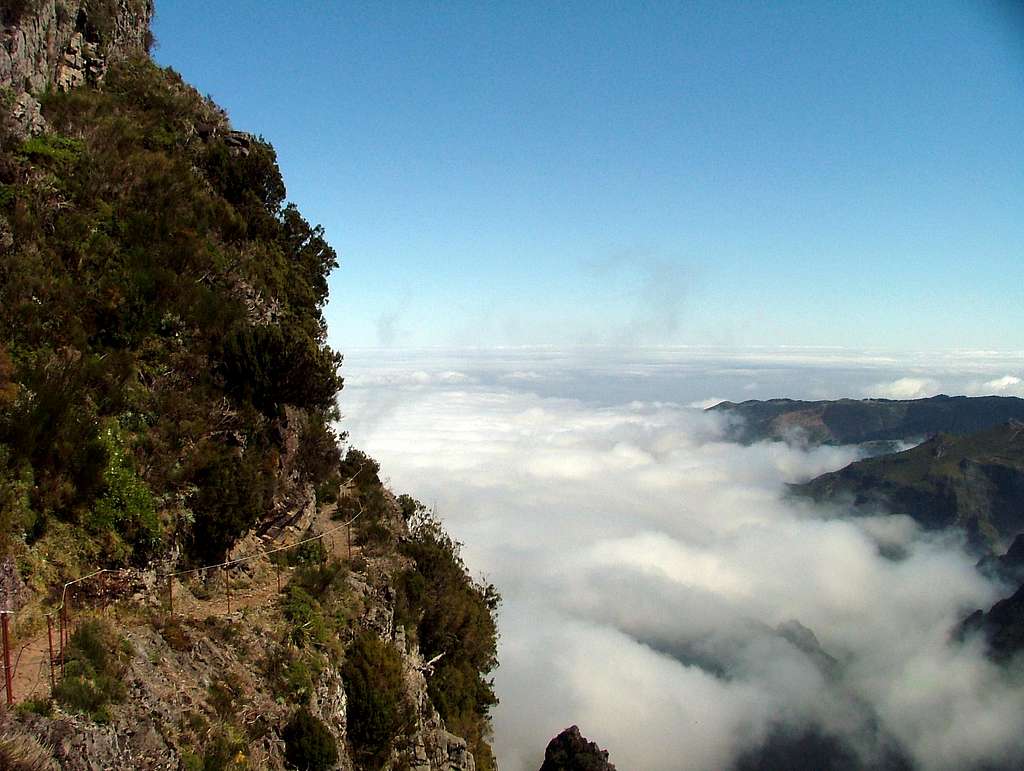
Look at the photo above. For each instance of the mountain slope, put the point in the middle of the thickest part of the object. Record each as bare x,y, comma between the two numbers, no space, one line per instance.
974,483
856,421
1002,627
167,400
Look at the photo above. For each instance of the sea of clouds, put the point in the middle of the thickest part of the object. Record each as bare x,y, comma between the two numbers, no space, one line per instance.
651,571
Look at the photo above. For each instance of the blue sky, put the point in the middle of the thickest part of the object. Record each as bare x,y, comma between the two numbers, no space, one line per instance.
847,174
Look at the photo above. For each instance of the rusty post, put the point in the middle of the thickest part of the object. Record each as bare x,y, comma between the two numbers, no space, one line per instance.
7,658
49,640
60,636
227,587
63,635
348,538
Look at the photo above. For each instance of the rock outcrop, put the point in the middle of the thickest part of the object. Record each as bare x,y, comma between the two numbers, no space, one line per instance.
1007,568
570,751
63,44
1002,627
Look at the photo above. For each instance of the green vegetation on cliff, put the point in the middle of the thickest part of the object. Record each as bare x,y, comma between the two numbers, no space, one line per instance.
160,325
973,482
165,388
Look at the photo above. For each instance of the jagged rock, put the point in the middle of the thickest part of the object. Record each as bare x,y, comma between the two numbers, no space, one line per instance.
239,142
1002,627
570,751
27,118
1009,567
51,47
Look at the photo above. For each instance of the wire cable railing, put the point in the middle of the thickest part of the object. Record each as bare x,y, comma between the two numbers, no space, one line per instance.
59,620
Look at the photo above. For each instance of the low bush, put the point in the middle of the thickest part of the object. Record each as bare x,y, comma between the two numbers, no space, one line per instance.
223,696
290,674
304,616
309,745
39,706
93,671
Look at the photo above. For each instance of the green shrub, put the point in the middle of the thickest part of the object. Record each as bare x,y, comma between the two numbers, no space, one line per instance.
52,149
291,673
144,249
38,706
309,745
321,578
373,536
232,490
451,614
224,751
309,553
93,671
378,707
305,617
126,506
16,515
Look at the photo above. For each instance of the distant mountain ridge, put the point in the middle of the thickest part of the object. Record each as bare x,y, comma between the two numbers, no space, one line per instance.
857,421
974,482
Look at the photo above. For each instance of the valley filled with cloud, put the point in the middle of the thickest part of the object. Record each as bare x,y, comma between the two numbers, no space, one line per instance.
660,587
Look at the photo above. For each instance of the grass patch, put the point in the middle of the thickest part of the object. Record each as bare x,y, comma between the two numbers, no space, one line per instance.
93,671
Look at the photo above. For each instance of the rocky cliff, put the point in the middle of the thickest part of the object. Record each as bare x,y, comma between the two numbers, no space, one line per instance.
62,44
167,410
571,751
209,685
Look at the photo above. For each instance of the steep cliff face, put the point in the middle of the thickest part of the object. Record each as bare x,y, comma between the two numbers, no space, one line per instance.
167,402
62,44
212,691
65,43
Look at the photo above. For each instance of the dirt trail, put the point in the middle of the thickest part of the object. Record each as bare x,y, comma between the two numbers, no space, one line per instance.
30,657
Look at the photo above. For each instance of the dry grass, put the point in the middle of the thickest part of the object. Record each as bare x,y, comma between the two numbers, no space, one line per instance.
21,752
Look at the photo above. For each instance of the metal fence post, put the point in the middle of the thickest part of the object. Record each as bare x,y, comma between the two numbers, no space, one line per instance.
7,657
49,640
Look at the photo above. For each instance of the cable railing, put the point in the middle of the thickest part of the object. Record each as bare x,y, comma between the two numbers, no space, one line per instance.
59,618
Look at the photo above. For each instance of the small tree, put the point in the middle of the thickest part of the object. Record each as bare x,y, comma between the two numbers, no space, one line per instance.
378,707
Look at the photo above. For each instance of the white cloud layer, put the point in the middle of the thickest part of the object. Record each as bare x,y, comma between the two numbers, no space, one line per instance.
904,388
1007,385
646,565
